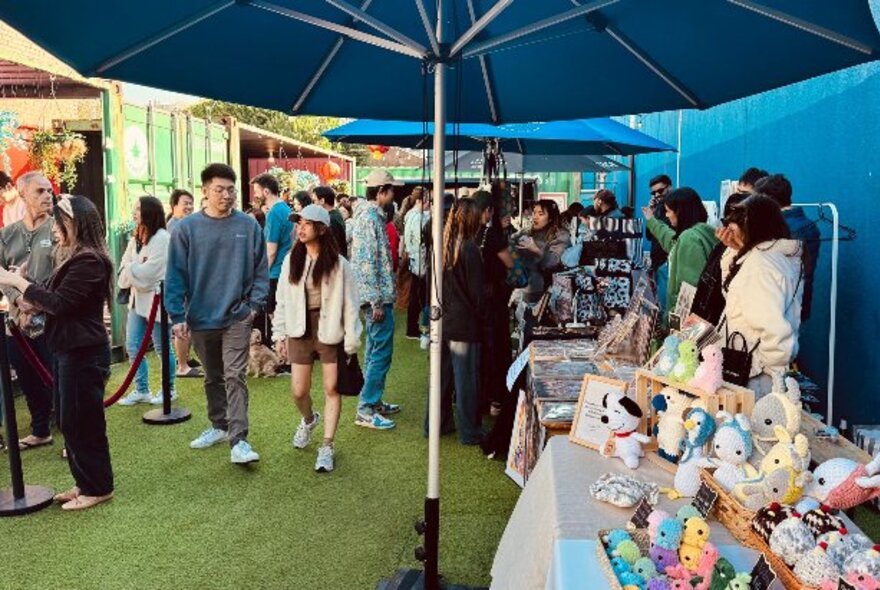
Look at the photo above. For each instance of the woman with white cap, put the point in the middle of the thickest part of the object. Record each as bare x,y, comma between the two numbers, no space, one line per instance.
316,310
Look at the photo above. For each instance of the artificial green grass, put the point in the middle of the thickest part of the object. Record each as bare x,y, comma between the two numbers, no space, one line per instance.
189,519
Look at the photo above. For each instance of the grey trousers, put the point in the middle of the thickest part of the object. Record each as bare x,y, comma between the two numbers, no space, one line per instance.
224,354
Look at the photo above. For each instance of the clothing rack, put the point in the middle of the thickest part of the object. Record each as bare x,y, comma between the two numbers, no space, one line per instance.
832,328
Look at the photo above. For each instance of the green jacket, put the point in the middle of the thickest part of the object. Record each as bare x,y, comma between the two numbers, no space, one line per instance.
688,253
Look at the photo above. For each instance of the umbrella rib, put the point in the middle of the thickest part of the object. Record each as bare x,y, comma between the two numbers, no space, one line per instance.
478,25
323,67
429,30
804,25
484,69
336,28
652,65
378,25
489,44
167,33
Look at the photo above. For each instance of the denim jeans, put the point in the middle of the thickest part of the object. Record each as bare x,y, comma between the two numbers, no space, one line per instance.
80,378
377,357
459,375
137,327
37,394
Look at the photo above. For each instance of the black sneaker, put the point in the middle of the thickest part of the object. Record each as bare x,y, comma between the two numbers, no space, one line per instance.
193,364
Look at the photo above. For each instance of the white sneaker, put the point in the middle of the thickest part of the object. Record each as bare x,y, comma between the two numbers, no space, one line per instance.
324,462
136,397
209,438
424,341
156,400
303,433
243,453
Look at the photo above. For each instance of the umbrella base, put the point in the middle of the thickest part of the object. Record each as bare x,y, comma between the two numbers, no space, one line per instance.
35,498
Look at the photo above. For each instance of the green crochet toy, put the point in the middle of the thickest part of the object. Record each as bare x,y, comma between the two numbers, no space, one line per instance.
687,363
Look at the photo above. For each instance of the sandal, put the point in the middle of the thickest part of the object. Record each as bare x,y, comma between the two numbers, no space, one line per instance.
84,502
67,496
191,373
32,442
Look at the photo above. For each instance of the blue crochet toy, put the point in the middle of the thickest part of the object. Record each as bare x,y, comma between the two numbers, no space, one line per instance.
620,566
686,512
668,356
614,538
645,568
669,534
631,579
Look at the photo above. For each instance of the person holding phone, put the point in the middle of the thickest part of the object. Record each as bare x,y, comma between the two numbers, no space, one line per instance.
541,247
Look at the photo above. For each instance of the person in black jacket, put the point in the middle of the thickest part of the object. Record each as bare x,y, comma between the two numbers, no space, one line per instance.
73,300
463,318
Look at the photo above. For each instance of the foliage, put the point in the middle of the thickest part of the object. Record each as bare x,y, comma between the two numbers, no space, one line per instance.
56,154
305,128
9,137
292,181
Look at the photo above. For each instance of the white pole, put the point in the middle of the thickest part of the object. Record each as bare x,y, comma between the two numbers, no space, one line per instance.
437,268
678,150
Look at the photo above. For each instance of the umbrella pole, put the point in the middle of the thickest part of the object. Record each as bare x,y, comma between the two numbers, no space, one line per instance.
522,174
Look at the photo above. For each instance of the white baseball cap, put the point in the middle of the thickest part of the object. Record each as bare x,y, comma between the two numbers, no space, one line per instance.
314,213
381,177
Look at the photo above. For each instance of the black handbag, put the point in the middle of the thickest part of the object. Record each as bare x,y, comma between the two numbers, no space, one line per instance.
349,377
736,364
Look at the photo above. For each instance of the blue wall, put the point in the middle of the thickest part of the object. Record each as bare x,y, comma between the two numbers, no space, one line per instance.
824,135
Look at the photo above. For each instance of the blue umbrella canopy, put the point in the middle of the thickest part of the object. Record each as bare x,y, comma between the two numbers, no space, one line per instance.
579,137
508,61
530,164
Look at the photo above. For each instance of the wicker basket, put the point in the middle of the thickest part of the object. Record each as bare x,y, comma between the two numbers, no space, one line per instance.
738,520
640,536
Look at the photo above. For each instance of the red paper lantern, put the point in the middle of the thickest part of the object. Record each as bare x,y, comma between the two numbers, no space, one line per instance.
377,151
329,171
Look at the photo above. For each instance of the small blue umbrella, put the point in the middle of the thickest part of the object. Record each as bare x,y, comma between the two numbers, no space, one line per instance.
579,137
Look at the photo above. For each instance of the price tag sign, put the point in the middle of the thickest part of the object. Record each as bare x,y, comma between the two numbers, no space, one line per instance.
516,368
639,519
844,585
705,499
763,575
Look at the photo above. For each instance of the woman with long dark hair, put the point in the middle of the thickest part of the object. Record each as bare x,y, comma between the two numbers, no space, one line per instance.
316,310
763,273
463,317
141,270
689,241
73,300
541,246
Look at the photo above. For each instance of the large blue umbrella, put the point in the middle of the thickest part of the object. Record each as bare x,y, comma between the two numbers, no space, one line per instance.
490,61
579,137
530,163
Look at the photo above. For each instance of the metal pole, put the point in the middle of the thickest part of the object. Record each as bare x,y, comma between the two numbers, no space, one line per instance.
166,352
522,175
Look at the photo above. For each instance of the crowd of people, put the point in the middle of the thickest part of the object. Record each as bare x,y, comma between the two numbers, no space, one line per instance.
313,273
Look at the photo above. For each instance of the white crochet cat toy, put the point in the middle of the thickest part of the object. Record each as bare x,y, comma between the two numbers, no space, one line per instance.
732,447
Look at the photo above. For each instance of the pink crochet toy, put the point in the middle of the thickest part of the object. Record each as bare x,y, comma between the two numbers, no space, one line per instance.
843,483
708,375
863,581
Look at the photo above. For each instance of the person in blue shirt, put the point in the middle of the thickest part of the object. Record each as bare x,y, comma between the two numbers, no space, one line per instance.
278,231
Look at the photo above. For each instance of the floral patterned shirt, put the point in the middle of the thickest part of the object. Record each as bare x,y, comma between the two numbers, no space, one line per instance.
371,256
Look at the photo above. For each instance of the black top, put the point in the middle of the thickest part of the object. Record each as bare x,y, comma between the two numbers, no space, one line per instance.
73,299
337,227
709,299
492,241
658,254
463,287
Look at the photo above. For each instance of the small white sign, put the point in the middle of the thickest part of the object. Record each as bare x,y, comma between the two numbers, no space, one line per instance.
516,368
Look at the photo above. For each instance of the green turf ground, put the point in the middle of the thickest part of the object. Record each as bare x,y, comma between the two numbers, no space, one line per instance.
189,519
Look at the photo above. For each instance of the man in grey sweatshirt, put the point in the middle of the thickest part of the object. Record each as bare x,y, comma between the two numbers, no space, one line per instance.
216,281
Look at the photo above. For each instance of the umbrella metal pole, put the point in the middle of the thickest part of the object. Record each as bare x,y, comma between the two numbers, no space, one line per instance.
521,186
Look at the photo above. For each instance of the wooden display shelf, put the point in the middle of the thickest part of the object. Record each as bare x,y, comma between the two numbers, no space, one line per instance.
730,398
823,449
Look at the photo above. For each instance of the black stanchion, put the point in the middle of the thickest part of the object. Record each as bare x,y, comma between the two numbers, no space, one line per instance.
21,499
167,415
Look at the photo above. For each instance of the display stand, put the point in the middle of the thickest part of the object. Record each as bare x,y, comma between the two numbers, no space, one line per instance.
167,415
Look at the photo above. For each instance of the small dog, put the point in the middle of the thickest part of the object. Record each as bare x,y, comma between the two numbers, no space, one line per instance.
263,359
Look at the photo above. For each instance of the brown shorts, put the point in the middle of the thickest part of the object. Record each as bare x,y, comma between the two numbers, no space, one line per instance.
304,350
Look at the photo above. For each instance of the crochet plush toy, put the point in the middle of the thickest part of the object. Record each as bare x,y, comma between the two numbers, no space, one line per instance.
629,551
841,544
669,535
815,567
699,427
722,575
823,520
622,416
658,584
862,581
662,557
670,426
791,539
686,365
842,483
708,375
790,457
687,511
778,408
656,517
732,446
645,568
668,356
742,581
614,538
768,517
696,532
866,561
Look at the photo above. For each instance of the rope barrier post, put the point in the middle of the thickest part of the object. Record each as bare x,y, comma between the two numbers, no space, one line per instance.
167,415
21,499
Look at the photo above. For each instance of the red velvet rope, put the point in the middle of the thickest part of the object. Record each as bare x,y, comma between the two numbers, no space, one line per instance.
46,376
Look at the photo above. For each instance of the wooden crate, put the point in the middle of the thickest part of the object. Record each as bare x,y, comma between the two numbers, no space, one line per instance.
730,398
823,449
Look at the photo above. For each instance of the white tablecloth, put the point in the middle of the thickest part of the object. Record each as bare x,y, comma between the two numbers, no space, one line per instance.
556,505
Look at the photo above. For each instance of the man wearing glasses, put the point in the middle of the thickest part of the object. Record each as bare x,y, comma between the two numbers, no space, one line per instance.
660,186
216,281
29,243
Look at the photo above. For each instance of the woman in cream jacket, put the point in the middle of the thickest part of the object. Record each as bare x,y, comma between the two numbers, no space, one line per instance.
141,270
316,310
762,273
